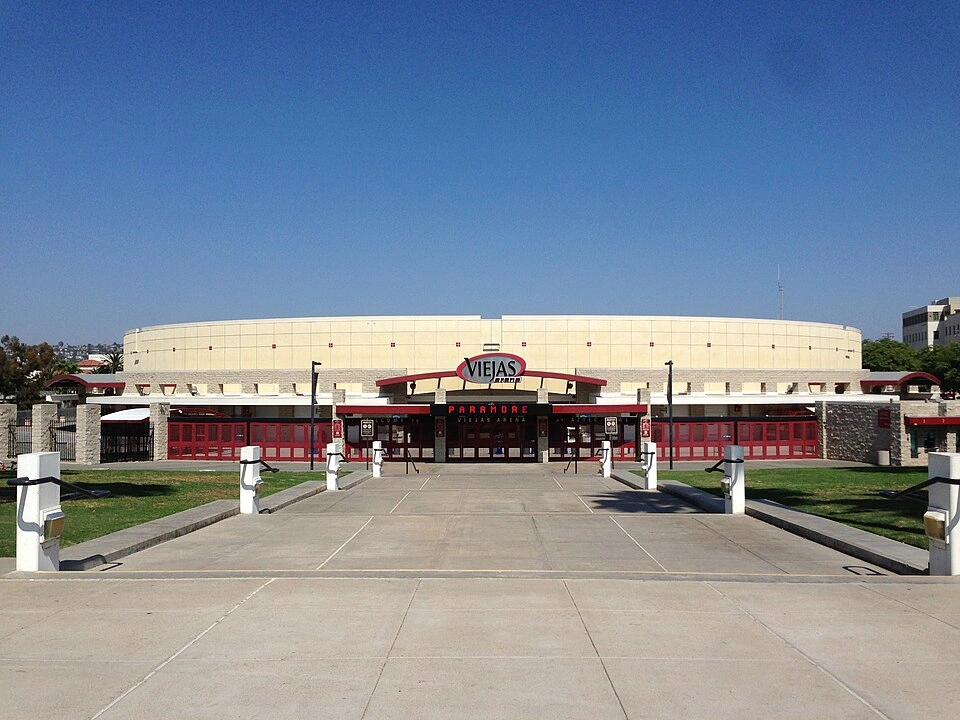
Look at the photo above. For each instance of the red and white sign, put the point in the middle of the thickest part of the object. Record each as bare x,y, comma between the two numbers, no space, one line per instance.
492,368
645,427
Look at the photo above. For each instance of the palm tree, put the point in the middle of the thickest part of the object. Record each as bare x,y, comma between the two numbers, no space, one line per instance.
113,363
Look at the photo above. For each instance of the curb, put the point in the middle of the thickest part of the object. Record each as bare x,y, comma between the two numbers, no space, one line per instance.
112,547
888,554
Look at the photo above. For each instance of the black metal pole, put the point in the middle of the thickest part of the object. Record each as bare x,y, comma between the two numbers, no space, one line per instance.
313,406
669,364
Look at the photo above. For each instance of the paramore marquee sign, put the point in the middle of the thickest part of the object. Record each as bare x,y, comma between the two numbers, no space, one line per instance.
492,368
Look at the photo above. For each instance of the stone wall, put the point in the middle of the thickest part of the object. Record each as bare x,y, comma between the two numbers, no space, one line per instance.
851,431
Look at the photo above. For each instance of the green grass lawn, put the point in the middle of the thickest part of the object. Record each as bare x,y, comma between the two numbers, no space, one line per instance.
137,496
848,495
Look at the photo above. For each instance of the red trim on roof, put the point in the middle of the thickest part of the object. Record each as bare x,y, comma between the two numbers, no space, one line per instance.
528,373
383,409
87,381
902,380
914,421
593,409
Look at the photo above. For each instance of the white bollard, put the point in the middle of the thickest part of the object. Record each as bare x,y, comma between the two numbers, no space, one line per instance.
733,483
250,480
39,516
606,458
650,465
941,522
377,458
333,466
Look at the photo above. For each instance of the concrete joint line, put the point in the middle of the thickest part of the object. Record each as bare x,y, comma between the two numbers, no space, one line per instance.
638,544
398,504
393,644
593,644
849,690
585,504
182,650
345,544
425,483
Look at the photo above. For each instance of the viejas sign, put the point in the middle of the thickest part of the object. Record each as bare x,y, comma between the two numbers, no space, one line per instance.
492,368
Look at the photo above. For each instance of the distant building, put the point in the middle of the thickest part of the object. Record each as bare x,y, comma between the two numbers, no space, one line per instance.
937,323
89,365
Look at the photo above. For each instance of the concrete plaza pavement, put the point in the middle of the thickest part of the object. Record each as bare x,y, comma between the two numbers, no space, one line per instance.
481,592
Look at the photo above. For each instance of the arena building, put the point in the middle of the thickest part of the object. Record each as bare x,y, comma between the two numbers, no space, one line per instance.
515,388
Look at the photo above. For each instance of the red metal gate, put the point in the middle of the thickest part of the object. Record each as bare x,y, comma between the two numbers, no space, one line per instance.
222,440
766,438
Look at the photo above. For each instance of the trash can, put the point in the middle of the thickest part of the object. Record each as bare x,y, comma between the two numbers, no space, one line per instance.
883,458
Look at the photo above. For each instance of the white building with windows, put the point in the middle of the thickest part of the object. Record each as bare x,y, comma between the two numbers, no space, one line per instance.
937,323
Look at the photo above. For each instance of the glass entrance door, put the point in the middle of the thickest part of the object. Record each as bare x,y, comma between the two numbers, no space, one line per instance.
491,440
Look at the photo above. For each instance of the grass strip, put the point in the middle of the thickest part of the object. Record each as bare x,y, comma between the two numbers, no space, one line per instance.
848,495
136,496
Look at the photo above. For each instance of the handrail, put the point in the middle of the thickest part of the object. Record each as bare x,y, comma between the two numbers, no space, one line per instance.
721,461
25,482
262,462
925,483
409,461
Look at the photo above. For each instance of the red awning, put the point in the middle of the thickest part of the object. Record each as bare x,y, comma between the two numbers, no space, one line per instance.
528,373
92,381
597,409
914,421
368,410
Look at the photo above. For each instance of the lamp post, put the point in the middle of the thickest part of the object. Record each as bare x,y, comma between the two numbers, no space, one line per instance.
313,407
669,364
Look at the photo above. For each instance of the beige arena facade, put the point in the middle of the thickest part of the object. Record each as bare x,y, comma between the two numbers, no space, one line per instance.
566,384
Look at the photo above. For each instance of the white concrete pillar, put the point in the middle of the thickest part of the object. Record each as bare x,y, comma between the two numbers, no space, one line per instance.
333,466
606,458
650,465
39,517
250,480
941,522
734,494
377,458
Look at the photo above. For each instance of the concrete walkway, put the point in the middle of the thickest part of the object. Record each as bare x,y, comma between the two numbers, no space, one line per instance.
481,592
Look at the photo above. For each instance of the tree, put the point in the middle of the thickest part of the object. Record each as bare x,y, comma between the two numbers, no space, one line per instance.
888,355
943,362
24,369
113,364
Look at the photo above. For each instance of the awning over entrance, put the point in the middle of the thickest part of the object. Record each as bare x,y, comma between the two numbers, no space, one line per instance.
931,421
381,410
594,409
883,379
600,382
92,381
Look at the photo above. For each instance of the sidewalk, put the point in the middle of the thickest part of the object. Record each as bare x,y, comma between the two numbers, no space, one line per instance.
485,592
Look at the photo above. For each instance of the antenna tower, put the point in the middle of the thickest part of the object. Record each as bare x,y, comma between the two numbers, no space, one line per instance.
780,290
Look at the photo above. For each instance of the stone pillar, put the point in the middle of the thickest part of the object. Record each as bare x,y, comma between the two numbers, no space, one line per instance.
440,396
159,417
8,419
821,412
439,441
543,439
44,415
543,396
88,434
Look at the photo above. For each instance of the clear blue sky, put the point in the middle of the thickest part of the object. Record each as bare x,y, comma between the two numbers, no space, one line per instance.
174,162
